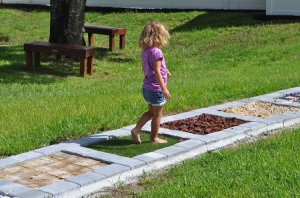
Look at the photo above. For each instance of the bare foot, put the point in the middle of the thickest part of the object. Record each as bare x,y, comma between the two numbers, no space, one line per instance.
135,134
158,140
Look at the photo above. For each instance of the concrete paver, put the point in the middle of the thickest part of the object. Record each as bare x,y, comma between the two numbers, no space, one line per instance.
61,169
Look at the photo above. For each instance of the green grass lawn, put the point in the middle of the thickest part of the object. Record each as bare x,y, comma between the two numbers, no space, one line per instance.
267,168
125,147
214,57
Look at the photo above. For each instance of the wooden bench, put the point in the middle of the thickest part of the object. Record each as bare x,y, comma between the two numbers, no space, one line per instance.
110,31
83,53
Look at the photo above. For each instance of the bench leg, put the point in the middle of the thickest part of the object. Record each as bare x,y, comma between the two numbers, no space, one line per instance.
83,64
29,61
111,42
91,39
122,41
37,59
90,65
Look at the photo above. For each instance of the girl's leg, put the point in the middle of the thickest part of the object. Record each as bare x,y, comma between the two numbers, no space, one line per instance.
135,132
157,112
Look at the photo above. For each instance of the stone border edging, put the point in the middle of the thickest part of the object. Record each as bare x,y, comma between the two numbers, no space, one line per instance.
121,169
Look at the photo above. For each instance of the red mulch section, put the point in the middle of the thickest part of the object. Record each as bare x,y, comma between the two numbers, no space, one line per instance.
203,124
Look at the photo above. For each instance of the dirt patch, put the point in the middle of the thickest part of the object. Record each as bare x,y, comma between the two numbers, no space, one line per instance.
203,124
259,109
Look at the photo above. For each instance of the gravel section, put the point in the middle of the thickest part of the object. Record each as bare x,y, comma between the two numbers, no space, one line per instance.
259,109
203,124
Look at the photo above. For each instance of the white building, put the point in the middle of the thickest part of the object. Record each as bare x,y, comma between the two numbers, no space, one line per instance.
272,7
283,7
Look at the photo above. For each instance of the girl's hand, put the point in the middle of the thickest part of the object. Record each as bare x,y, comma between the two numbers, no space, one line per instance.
169,73
166,94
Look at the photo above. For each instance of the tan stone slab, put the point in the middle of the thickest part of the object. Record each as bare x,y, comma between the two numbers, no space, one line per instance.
72,159
12,169
60,173
44,168
27,183
48,169
57,164
34,163
73,169
97,165
86,162
42,179
60,155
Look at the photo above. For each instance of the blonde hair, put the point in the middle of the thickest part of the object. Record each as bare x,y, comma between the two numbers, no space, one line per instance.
154,34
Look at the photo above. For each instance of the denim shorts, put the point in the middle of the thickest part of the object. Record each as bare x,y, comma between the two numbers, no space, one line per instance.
154,98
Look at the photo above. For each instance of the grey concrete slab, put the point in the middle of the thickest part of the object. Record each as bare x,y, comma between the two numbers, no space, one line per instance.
7,162
150,157
146,128
30,193
92,140
273,125
288,104
206,111
281,102
293,90
252,99
48,150
105,157
26,156
253,125
237,129
111,170
227,105
4,182
221,135
130,162
93,154
293,114
7,187
175,133
277,118
186,115
205,138
272,95
271,100
171,151
289,91
190,144
59,188
118,132
293,119
168,119
86,178
128,128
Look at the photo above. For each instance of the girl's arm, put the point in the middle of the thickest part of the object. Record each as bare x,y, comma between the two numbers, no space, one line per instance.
159,79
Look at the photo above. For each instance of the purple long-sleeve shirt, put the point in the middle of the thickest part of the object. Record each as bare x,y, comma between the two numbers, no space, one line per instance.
149,57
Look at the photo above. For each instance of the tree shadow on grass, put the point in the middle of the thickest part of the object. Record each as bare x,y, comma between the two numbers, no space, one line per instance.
116,142
4,39
223,19
116,56
13,68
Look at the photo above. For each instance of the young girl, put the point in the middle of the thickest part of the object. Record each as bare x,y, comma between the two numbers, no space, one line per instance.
155,92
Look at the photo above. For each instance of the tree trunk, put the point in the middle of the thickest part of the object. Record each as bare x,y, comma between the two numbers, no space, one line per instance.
67,21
